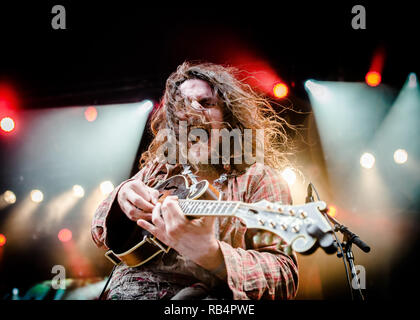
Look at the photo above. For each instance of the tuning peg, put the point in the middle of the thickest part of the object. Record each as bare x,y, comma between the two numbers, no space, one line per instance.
296,228
302,214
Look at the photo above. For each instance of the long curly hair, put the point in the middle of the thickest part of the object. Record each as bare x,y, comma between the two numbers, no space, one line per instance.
243,108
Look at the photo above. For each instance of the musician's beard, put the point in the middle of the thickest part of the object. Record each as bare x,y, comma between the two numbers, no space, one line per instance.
200,158
209,171
201,153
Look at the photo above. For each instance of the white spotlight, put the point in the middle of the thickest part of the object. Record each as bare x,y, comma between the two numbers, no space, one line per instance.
317,90
147,104
400,156
367,160
9,197
412,80
7,124
289,175
78,191
106,187
37,196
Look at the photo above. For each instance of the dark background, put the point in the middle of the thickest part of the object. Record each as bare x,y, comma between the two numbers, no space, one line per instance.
110,51
120,52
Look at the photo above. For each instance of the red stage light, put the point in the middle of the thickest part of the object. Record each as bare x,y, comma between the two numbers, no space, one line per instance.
8,98
91,114
7,124
373,78
280,90
64,235
2,240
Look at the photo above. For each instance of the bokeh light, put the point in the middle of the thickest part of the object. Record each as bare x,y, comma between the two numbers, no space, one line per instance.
332,211
373,78
65,235
367,160
2,240
280,90
91,114
37,196
289,175
78,191
400,156
7,124
106,187
9,197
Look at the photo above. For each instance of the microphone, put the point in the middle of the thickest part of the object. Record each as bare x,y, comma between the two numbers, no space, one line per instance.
309,197
356,240
362,245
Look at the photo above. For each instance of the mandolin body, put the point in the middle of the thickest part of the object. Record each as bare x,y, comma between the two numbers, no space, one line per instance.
146,246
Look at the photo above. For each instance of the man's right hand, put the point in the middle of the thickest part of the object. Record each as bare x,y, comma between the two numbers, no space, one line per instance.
137,200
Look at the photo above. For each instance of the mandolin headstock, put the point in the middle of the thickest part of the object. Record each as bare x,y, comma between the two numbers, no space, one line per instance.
302,226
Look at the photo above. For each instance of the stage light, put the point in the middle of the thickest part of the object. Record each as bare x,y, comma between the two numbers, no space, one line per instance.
8,95
144,106
400,156
412,80
367,160
2,240
106,187
65,235
9,197
90,114
289,175
280,90
37,196
308,84
332,211
7,124
373,78
78,191
147,104
317,90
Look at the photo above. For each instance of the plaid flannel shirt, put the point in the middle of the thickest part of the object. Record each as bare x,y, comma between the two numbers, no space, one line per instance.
253,271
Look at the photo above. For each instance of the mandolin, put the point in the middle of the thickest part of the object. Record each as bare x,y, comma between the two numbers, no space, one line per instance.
303,227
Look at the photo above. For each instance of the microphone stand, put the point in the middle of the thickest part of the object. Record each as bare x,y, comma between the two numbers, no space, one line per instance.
348,239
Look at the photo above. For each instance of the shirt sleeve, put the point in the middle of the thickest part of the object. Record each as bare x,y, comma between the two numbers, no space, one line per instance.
262,271
106,208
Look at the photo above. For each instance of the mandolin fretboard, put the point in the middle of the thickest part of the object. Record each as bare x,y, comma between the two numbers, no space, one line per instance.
208,207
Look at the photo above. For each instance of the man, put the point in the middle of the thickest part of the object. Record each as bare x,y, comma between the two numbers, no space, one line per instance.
211,258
